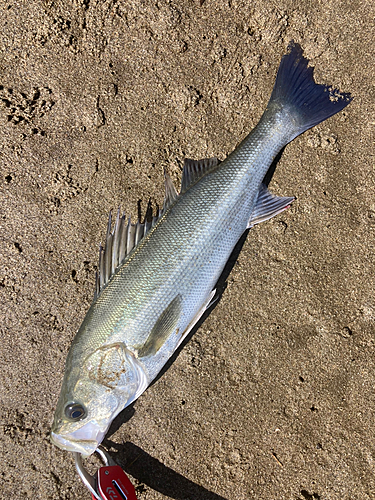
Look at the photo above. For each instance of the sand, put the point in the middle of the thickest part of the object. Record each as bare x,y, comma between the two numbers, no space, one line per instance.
273,396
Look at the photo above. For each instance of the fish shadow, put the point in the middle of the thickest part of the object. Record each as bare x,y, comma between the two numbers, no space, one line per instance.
134,460
149,471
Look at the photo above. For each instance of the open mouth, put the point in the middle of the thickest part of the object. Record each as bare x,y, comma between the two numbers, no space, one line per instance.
84,440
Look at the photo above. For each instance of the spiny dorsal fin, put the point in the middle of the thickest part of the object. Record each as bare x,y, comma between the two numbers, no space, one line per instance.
194,170
267,206
118,244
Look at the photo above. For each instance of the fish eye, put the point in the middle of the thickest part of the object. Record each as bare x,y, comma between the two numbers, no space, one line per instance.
75,411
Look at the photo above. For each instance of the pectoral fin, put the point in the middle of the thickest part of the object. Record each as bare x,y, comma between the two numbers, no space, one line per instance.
163,328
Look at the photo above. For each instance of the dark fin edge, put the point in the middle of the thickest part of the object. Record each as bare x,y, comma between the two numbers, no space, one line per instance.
310,103
171,193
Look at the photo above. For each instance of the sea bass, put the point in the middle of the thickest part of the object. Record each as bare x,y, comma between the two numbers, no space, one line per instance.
156,279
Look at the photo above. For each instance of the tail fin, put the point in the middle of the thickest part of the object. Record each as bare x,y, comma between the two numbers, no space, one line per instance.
295,87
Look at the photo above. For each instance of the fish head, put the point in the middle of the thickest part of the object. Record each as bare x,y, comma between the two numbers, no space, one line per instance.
109,379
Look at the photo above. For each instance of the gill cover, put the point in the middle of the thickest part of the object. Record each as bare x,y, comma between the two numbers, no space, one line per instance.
115,367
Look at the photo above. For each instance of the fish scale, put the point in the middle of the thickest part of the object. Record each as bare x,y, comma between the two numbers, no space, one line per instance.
145,308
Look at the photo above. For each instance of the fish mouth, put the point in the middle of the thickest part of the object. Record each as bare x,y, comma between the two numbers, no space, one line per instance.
84,441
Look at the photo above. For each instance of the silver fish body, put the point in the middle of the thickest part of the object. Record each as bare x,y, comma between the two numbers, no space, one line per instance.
167,281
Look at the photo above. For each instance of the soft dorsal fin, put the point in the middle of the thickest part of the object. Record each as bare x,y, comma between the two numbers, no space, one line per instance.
195,169
163,328
267,206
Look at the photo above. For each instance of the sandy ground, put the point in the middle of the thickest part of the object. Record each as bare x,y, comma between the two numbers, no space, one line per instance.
273,397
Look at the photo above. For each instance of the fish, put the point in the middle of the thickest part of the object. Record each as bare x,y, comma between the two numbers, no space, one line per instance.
156,279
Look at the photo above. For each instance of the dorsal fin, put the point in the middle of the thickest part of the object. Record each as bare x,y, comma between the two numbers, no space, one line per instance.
126,235
118,244
194,170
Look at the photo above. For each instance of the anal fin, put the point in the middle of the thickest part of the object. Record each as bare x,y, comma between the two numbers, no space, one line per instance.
267,206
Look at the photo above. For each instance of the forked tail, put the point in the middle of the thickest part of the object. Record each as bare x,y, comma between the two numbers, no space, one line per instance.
295,89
